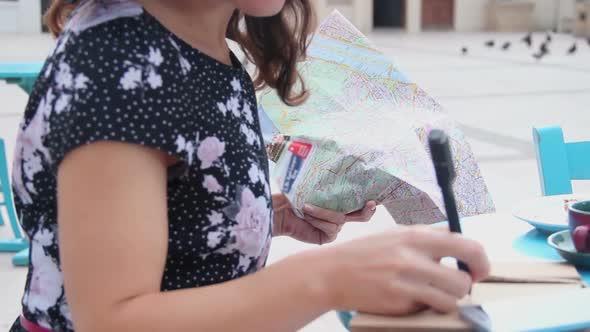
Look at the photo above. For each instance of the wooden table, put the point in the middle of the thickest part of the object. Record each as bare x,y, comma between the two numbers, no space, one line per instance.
506,239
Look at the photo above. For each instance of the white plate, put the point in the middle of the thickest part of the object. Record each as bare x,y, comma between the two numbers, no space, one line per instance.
547,214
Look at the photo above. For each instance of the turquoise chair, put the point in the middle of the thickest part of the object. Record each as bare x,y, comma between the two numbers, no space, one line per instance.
345,318
559,162
21,258
24,75
18,243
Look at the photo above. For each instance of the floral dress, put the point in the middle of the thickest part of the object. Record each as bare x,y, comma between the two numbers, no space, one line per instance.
117,74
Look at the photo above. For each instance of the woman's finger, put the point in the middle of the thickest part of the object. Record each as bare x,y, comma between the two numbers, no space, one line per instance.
304,231
363,215
324,214
428,271
439,244
280,202
327,227
441,228
426,294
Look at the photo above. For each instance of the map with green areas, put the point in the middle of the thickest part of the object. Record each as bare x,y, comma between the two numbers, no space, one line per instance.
369,125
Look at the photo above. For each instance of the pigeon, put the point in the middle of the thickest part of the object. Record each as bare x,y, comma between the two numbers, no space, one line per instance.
490,43
464,51
543,51
506,46
528,40
544,48
572,49
548,38
539,55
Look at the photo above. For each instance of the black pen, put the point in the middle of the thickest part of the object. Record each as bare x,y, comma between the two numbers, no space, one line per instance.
442,158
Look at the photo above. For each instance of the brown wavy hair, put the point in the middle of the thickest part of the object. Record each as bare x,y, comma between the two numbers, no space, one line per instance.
274,44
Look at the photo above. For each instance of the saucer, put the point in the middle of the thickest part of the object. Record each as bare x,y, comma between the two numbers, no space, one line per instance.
562,242
547,214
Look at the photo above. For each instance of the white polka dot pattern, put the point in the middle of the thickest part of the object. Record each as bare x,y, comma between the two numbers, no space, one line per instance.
130,80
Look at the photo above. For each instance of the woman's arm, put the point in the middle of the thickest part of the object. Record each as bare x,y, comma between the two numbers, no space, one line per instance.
113,235
113,244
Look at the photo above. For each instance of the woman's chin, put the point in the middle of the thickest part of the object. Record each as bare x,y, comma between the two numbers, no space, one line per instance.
260,8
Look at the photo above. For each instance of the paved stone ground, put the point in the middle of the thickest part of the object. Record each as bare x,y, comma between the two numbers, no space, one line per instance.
495,96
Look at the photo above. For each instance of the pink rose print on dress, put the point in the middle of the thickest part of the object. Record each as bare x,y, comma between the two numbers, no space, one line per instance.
250,234
253,227
209,151
210,183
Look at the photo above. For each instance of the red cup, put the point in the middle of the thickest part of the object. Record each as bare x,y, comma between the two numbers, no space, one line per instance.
579,223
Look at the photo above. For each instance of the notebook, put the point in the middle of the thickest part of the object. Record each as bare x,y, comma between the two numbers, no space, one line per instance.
565,310
508,282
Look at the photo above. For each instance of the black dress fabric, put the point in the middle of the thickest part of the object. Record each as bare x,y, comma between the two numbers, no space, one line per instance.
117,74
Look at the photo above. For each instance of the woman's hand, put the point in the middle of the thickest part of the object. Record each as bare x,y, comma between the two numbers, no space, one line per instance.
398,272
319,226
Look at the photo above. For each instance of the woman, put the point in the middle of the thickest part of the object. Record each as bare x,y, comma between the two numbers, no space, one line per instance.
142,182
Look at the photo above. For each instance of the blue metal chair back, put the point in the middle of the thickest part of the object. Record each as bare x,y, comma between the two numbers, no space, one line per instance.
5,188
559,162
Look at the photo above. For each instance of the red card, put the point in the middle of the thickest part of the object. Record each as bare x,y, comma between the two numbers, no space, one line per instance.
300,149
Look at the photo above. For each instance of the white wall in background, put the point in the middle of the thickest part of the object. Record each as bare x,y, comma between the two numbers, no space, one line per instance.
359,12
363,14
29,18
8,16
544,16
567,13
413,16
20,16
470,15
